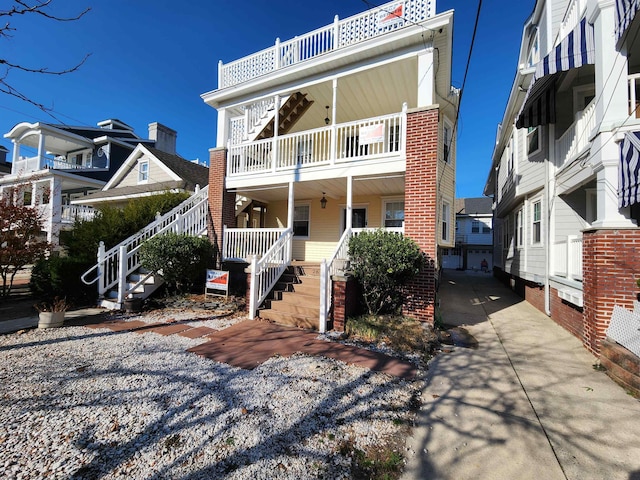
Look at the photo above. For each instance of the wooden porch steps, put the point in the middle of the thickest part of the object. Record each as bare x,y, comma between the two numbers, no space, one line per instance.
295,300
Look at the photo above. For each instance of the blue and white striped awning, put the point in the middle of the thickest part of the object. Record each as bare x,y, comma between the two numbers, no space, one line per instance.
628,187
575,50
625,13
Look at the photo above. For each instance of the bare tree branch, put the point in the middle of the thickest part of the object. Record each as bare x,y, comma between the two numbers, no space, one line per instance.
31,7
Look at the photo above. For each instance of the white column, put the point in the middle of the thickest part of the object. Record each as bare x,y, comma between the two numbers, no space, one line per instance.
426,77
290,206
334,128
606,169
55,211
349,212
276,127
223,129
16,152
41,151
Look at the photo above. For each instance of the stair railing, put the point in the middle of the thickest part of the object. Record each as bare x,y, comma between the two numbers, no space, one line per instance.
114,265
266,271
337,263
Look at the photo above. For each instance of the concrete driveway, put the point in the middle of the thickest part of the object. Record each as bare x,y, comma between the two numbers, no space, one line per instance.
526,404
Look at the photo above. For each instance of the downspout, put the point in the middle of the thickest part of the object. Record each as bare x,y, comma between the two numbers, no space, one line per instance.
548,175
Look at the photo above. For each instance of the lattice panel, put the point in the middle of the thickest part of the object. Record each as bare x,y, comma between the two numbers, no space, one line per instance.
625,329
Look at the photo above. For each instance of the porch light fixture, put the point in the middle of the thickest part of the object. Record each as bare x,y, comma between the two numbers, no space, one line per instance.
323,201
327,120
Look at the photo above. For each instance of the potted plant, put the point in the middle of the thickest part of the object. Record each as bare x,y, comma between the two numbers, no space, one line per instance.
51,314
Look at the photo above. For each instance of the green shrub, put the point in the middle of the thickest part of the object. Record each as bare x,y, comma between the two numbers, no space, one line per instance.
181,259
60,277
383,262
112,224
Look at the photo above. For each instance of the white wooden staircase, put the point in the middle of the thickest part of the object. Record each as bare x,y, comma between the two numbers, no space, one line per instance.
118,273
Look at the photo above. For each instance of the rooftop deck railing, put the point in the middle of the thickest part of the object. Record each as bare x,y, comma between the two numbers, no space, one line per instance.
338,35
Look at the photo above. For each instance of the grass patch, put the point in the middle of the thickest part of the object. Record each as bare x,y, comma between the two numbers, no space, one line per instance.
401,334
373,464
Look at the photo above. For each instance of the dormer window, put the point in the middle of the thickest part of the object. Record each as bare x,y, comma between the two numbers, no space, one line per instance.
143,172
534,50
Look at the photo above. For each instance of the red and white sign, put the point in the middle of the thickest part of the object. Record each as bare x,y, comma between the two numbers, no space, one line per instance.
217,280
371,134
391,15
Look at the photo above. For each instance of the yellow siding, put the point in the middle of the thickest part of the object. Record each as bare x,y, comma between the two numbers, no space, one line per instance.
324,225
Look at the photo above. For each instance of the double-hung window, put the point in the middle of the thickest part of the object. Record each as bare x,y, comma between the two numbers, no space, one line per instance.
536,226
301,221
393,214
446,212
519,229
143,172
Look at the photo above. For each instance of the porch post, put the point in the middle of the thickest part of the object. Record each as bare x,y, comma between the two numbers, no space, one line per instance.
122,273
349,213
16,153
290,206
55,211
334,128
276,125
41,151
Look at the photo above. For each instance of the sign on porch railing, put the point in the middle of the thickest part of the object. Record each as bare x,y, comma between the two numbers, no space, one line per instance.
217,280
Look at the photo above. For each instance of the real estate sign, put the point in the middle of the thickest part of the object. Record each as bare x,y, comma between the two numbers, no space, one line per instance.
217,280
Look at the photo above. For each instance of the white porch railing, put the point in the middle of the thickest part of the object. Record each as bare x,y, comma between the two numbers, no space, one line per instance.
577,137
114,265
25,164
266,272
240,244
338,35
346,142
71,213
33,164
567,258
634,95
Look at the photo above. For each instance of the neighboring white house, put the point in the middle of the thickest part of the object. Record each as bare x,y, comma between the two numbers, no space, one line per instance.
474,236
5,167
336,130
564,173
53,165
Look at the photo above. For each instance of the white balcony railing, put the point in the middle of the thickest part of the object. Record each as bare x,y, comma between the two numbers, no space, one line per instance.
71,213
346,142
567,258
33,164
577,137
338,35
240,244
634,95
575,11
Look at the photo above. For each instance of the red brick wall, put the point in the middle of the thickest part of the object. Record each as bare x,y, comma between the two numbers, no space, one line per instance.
611,265
568,316
534,295
221,203
421,203
346,295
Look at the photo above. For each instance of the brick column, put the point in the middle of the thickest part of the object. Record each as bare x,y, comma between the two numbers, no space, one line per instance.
420,207
611,265
345,295
221,202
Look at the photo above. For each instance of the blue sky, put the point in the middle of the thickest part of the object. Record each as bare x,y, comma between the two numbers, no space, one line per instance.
151,59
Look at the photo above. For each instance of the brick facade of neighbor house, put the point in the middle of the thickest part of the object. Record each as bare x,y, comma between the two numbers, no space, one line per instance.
221,202
421,204
611,265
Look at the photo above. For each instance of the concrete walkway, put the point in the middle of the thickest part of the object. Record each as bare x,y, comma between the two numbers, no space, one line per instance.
526,404
16,324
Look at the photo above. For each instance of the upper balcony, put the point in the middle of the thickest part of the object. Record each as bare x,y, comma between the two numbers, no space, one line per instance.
337,36
79,162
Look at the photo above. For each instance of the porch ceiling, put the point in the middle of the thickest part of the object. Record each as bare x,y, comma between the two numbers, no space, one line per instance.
387,185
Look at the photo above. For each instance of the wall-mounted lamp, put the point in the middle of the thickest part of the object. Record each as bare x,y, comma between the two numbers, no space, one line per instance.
323,201
327,120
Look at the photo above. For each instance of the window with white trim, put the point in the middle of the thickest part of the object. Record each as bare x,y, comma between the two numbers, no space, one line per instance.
486,227
533,140
475,226
393,214
534,50
447,138
143,172
519,229
505,233
536,222
446,212
301,221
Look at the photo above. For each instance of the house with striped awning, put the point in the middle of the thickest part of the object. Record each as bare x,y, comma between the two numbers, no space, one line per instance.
565,171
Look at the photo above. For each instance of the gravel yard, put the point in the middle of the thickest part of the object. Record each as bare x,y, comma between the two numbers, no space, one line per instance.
81,403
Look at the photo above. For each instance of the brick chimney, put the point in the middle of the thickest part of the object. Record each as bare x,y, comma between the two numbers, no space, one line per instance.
165,137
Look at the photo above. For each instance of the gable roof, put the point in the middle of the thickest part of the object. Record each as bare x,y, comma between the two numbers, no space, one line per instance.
472,206
184,174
